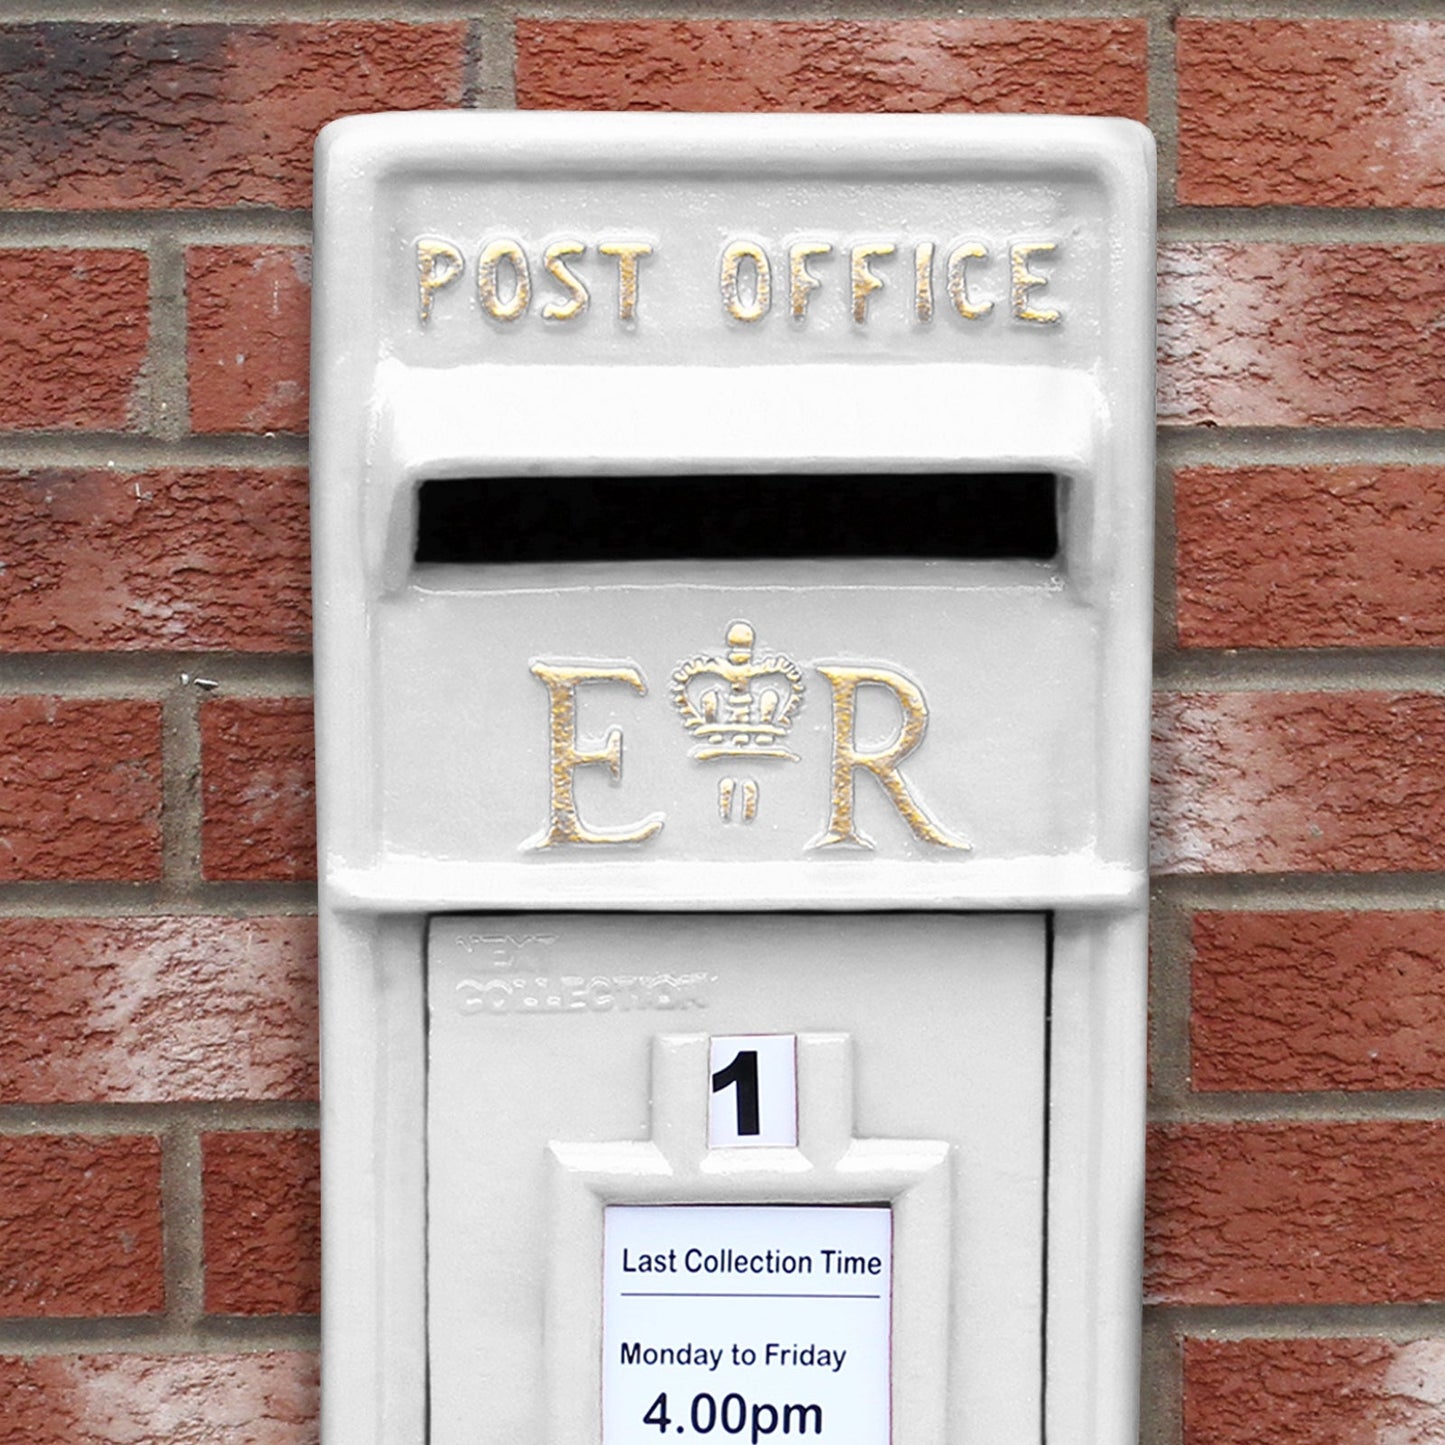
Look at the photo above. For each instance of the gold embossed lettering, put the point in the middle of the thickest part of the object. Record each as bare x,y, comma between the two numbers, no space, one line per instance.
958,280
628,254
883,764
567,755
557,268
801,281
864,281
732,259
1025,281
438,264
923,281
488,288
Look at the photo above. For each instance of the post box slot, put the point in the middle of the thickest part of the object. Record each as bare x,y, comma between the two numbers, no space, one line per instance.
917,515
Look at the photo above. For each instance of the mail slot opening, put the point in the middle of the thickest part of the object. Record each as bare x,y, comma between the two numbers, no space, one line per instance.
920,515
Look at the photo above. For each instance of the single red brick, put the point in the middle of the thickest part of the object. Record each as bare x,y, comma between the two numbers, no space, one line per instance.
1266,334
262,1222
108,561
249,318
1286,1001
141,1010
259,783
81,780
268,1398
73,333
1259,782
80,1226
1295,1213
1330,556
151,116
1311,112
1313,1391
1080,67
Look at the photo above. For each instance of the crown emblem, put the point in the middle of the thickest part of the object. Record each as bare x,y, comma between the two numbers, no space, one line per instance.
736,705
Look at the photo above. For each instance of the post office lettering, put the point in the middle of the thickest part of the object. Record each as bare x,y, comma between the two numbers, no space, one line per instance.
504,266
558,282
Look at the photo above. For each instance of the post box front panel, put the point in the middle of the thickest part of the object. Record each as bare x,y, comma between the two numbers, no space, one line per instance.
703,1168
786,1167
707,299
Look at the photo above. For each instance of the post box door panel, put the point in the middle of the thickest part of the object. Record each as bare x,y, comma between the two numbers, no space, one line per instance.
740,1175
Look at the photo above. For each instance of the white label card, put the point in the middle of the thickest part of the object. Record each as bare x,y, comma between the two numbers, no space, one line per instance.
753,1090
746,1321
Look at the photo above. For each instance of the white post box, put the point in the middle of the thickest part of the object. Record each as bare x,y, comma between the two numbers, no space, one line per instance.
733,592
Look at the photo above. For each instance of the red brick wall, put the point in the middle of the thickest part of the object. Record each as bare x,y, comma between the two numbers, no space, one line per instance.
158,1222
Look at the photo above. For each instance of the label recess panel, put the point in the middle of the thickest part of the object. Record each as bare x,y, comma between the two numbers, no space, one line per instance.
746,1320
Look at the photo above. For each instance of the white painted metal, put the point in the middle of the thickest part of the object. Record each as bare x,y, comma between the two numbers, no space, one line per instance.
432,728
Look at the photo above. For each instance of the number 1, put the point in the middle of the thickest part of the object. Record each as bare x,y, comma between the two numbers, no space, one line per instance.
743,1073
761,1072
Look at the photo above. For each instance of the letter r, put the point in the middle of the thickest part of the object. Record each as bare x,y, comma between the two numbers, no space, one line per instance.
883,764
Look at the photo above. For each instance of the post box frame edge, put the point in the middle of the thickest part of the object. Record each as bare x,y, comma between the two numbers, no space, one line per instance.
373,1038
